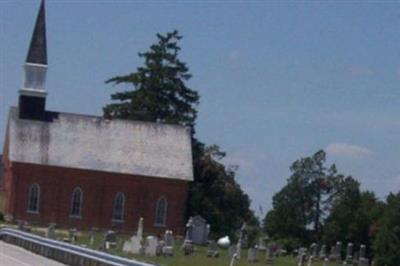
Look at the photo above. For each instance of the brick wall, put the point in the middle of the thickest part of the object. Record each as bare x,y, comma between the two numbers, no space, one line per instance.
99,189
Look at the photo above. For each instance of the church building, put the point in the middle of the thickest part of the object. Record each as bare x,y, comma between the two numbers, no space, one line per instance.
86,171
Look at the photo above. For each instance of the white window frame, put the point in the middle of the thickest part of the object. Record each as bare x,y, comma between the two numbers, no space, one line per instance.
76,190
121,220
164,218
31,187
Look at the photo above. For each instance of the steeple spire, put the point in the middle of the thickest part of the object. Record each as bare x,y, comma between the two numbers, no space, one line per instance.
32,96
37,53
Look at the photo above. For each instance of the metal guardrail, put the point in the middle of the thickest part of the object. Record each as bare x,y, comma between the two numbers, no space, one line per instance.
64,252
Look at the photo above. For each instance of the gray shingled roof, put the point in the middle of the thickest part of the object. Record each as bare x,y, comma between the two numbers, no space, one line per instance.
90,142
37,52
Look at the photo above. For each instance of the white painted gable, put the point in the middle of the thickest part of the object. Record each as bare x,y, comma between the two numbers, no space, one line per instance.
94,143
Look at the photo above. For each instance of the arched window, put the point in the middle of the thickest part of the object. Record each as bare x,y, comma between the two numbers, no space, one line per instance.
34,198
76,203
161,211
118,209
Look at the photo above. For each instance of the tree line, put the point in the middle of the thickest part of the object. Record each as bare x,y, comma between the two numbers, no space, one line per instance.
319,204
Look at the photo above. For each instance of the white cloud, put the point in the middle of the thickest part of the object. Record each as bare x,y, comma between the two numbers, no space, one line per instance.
348,150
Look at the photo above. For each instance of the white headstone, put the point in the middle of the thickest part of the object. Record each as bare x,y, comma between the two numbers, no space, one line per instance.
363,261
151,245
322,252
349,254
168,247
139,232
51,233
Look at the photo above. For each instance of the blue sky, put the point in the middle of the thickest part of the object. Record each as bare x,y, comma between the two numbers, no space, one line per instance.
278,80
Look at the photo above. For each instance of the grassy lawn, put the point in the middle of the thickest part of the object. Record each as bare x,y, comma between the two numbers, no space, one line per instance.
198,259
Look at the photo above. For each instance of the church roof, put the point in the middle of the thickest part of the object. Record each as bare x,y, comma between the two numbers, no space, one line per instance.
95,143
37,52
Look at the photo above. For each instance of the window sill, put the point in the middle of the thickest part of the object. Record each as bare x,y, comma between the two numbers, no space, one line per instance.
160,225
75,217
117,221
32,212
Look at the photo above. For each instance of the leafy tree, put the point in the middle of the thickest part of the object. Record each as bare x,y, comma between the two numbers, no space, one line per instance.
159,94
387,242
317,179
159,90
303,201
288,218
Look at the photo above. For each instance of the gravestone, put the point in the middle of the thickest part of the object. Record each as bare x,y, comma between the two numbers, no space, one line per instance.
326,261
51,231
336,253
313,252
91,237
151,246
212,250
72,235
322,252
270,254
349,254
189,229
332,253
301,251
24,226
168,248
134,244
139,232
187,246
252,255
302,259
110,239
199,230
362,261
160,247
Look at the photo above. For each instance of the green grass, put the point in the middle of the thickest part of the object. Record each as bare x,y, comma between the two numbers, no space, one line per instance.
198,259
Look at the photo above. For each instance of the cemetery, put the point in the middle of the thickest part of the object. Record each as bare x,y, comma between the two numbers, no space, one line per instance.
170,250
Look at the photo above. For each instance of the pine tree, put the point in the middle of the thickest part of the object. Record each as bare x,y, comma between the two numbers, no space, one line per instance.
159,91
